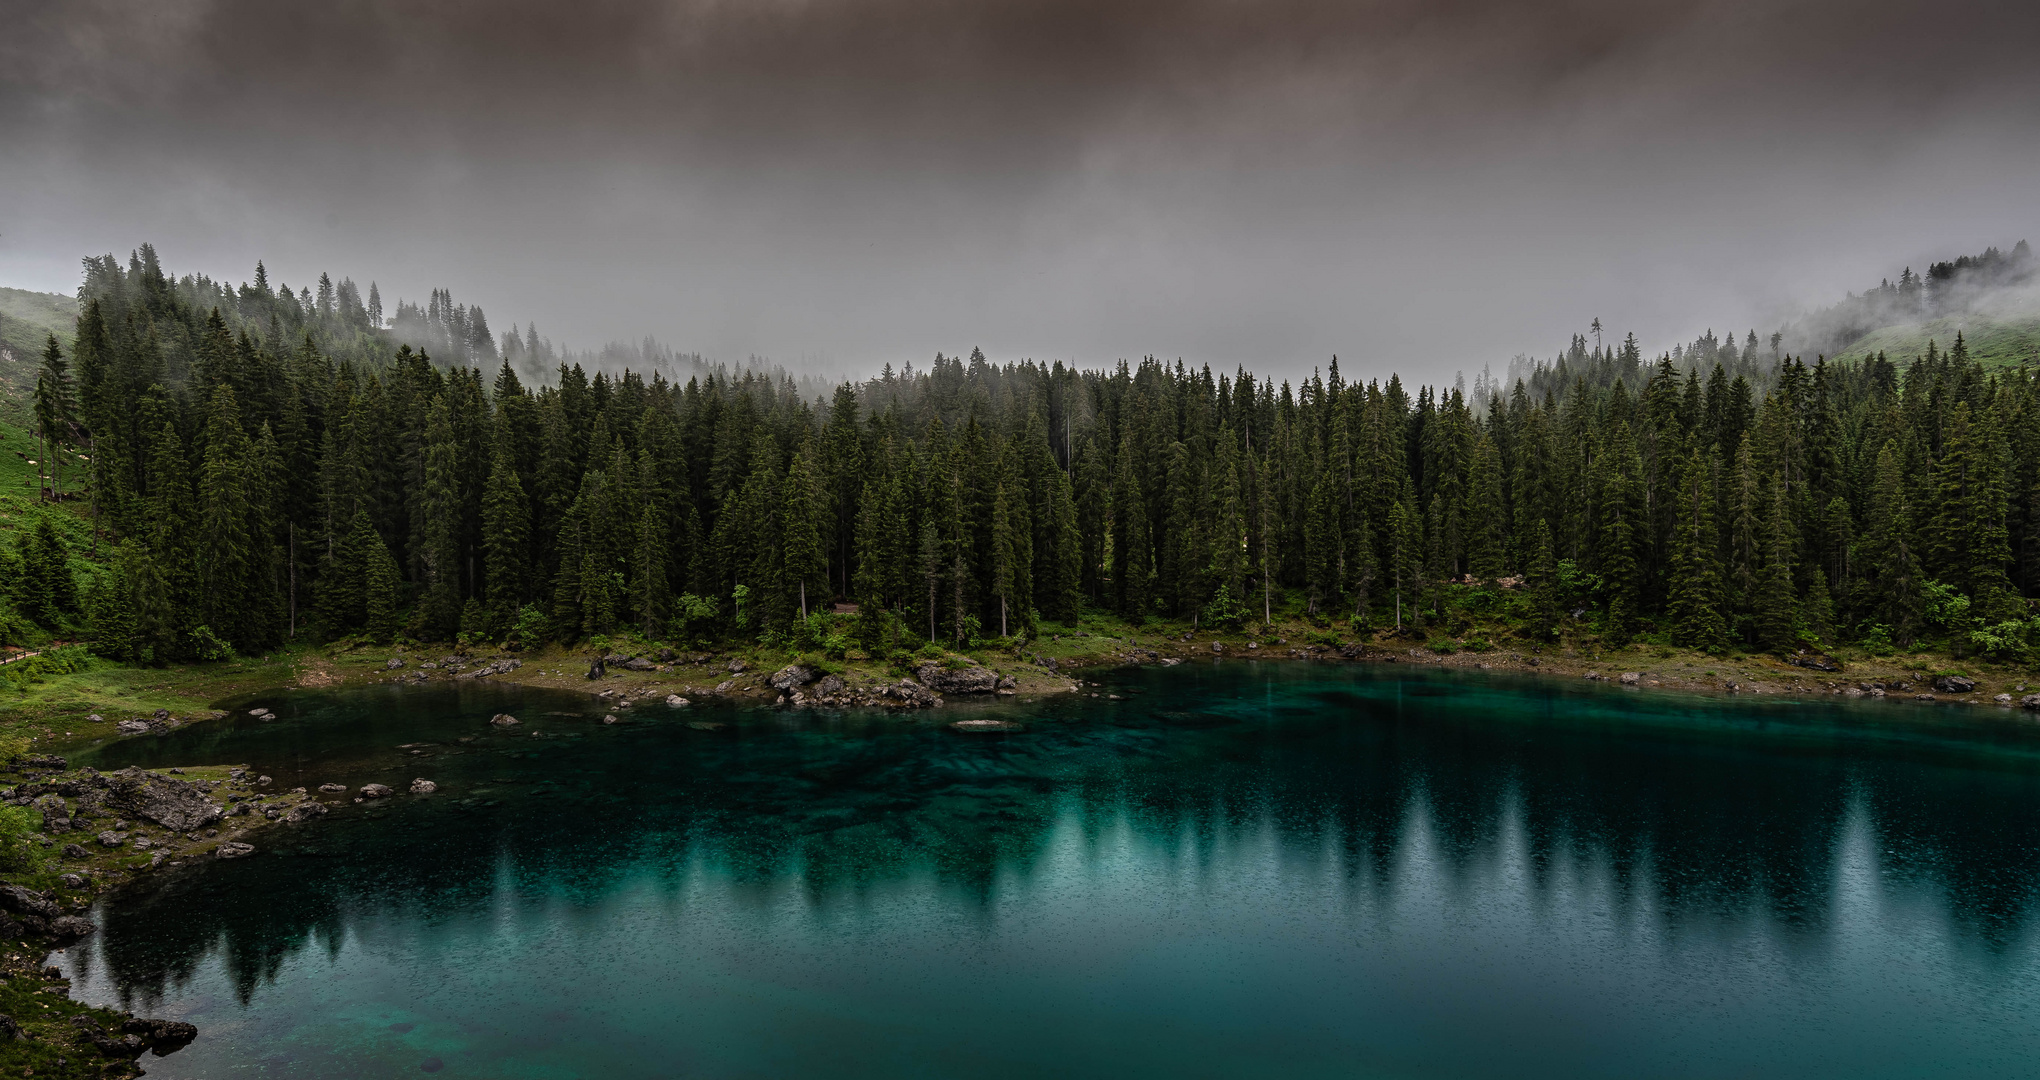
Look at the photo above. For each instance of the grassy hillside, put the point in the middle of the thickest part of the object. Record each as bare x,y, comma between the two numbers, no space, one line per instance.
1993,342
26,321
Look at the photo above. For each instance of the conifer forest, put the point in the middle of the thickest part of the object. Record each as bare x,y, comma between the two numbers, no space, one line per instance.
258,466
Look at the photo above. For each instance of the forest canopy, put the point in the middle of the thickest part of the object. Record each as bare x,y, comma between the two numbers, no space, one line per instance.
265,466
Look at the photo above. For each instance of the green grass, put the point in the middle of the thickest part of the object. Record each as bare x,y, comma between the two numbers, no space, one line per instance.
26,321
1994,343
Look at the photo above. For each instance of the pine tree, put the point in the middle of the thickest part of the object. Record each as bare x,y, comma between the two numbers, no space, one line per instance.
440,503
1893,586
380,588
1777,613
651,593
1002,553
506,537
1695,601
54,410
807,516
1542,580
228,567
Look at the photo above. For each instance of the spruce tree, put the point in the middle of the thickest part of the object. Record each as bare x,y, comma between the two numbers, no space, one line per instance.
228,569
506,537
651,595
1695,599
1893,587
381,590
807,519
1777,608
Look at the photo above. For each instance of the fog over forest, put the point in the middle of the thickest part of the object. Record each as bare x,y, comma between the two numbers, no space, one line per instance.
1422,187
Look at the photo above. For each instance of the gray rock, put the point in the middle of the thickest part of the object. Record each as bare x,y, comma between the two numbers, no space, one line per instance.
55,814
790,676
73,881
503,719
639,663
25,901
178,805
71,926
375,791
965,680
306,811
609,719
2003,699
596,670
73,851
133,727
912,695
423,787
830,686
675,700
1954,684
11,1031
395,663
2030,701
163,1036
95,718
1631,678
333,789
110,838
736,667
234,849
500,667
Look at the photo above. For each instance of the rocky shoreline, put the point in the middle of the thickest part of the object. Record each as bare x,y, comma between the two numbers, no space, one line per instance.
106,830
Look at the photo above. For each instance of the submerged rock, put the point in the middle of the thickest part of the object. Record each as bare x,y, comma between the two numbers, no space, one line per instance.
233,849
986,725
375,791
503,719
423,787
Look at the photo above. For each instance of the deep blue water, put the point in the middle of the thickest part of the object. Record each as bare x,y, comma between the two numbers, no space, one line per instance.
1241,869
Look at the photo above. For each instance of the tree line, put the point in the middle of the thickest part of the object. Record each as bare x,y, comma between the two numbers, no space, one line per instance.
273,490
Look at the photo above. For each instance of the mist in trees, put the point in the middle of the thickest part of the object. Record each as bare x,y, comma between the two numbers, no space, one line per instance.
267,487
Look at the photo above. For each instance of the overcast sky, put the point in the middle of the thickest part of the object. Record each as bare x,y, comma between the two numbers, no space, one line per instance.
1423,185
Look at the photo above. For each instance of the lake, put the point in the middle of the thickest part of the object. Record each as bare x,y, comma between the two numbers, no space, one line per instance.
1235,869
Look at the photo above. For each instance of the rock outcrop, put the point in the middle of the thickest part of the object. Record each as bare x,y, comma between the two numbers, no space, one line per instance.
500,667
973,679
177,805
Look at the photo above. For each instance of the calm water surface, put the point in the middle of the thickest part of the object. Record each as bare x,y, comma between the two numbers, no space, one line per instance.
1241,869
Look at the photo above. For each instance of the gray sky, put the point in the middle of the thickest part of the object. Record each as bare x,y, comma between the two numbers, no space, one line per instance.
1418,185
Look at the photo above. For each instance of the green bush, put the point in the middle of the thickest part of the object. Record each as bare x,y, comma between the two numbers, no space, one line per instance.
18,853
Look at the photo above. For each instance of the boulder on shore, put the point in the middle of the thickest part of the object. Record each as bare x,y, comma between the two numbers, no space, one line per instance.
233,849
1954,684
177,805
974,679
790,676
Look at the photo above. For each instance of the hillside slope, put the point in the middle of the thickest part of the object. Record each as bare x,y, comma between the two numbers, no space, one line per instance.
1993,342
26,321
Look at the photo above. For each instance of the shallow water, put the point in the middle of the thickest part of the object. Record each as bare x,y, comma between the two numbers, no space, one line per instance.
1240,869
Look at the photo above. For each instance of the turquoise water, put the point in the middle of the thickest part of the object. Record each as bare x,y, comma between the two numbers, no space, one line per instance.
1239,869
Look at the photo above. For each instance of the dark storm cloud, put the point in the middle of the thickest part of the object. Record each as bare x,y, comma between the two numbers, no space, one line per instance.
1426,184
